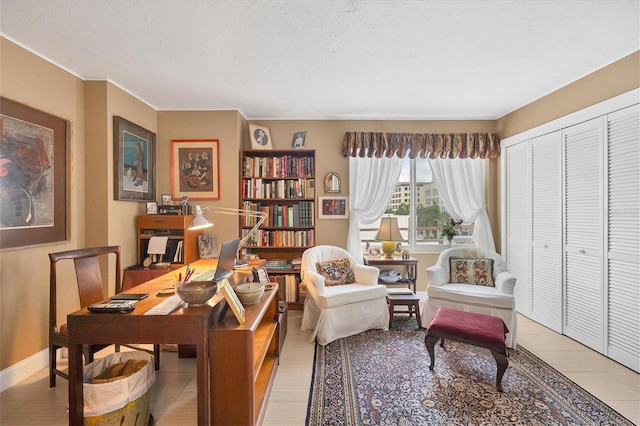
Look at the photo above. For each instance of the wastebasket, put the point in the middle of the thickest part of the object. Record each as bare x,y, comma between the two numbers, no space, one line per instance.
116,389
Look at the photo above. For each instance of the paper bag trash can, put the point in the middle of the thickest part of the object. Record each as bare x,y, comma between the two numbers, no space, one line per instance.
116,389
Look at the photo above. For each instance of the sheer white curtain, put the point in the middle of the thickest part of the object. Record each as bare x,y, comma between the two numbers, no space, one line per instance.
461,187
372,182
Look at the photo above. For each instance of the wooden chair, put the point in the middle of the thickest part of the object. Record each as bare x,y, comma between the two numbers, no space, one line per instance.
90,290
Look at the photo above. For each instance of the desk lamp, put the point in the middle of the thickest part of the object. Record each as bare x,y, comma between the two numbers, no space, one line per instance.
201,222
388,233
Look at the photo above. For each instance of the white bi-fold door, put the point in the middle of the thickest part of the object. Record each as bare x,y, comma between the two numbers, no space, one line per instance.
584,289
623,237
546,230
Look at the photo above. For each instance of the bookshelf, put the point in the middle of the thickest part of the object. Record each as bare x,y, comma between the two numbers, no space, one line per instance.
180,239
280,183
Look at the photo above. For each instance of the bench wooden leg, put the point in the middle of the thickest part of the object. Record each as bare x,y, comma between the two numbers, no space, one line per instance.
430,342
503,362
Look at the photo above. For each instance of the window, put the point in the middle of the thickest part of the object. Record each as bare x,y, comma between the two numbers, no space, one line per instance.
417,205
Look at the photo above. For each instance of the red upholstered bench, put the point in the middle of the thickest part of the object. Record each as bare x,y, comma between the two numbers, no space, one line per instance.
485,331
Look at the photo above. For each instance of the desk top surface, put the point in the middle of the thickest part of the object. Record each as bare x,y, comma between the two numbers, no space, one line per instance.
154,286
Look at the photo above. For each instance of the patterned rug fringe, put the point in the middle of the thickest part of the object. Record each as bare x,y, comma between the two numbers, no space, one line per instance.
383,378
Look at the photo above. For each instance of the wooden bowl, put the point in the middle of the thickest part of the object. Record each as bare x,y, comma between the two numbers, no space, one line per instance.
196,293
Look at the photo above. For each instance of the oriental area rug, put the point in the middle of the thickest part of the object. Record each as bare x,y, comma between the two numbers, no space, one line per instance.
383,378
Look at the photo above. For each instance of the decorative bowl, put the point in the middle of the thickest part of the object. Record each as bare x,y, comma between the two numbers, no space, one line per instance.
196,293
249,293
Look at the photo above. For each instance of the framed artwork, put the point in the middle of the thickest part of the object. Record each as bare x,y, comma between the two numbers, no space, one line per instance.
260,275
33,176
166,199
195,169
260,137
298,140
134,161
333,207
152,207
232,300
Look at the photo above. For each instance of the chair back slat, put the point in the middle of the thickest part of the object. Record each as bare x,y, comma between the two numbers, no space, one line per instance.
90,287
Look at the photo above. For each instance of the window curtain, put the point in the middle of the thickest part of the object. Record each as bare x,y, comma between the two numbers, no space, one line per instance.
372,182
461,186
431,145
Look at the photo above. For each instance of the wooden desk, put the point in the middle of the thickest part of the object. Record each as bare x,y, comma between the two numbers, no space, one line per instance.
183,326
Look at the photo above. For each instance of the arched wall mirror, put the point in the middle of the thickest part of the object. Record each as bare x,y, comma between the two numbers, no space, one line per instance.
332,183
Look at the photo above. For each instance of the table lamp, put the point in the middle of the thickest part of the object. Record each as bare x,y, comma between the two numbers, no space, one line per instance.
389,233
201,222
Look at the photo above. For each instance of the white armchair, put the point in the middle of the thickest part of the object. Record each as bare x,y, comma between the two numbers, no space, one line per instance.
495,300
337,311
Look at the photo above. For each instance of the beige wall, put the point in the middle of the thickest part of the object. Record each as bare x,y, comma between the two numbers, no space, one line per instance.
225,126
89,106
24,273
94,217
607,82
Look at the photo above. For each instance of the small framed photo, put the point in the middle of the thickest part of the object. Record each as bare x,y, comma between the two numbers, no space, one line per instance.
232,301
152,207
333,207
260,137
260,275
298,140
166,199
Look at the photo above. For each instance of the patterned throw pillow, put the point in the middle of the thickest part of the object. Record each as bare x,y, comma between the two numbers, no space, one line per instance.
336,272
471,271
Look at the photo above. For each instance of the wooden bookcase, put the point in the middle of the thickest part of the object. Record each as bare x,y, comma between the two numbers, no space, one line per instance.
244,360
281,183
173,226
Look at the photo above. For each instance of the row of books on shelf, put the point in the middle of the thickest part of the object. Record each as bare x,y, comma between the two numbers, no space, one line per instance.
275,167
283,264
283,188
262,238
281,215
291,290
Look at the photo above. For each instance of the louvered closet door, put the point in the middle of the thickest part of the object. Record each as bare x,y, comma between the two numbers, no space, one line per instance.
518,221
546,230
584,287
623,257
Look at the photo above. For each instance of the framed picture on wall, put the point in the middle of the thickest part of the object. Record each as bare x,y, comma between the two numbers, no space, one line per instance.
33,176
134,161
195,169
298,140
260,137
333,207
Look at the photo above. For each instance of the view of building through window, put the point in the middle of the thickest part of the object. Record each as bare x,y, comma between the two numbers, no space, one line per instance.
418,207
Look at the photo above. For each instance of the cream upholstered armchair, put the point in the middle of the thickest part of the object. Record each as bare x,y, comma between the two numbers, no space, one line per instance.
479,283
343,297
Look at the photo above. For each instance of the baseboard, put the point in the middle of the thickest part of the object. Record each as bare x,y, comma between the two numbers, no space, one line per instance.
17,372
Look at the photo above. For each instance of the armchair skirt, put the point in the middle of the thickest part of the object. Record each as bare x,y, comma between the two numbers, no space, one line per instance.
333,322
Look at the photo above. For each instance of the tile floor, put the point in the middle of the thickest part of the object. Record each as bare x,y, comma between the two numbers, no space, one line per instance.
173,396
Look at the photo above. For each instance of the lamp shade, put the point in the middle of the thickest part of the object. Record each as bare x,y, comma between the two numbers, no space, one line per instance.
389,230
199,221
388,233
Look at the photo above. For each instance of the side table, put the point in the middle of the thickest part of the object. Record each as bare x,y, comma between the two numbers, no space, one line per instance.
411,263
411,301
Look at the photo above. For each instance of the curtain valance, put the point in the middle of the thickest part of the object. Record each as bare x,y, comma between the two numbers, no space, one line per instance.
425,145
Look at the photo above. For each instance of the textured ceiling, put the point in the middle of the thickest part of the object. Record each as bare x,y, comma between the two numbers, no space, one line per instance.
452,59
